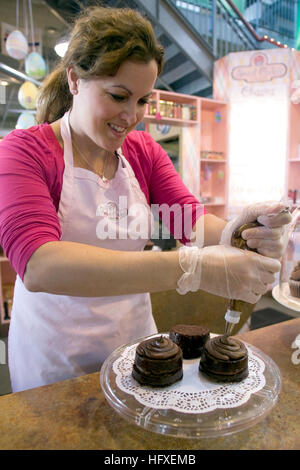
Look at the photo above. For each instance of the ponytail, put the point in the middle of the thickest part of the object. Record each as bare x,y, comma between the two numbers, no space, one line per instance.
55,97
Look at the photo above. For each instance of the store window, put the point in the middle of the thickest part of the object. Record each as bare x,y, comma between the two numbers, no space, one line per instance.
250,2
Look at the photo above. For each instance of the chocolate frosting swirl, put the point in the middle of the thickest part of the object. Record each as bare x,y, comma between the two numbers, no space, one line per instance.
226,348
160,347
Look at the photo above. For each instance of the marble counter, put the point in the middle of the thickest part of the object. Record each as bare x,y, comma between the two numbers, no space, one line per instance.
74,414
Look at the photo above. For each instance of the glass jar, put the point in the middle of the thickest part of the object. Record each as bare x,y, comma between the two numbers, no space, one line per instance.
185,112
193,112
163,108
152,107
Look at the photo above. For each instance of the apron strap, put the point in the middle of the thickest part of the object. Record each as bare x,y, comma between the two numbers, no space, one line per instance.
68,178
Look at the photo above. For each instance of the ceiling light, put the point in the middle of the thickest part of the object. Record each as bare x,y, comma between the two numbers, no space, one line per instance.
4,83
51,30
61,48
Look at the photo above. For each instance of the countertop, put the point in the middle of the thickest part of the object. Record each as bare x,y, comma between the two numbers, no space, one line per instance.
74,414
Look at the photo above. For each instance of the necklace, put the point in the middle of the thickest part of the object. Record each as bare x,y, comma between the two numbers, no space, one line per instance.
104,179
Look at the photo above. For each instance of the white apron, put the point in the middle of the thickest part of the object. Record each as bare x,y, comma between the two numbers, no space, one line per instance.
57,337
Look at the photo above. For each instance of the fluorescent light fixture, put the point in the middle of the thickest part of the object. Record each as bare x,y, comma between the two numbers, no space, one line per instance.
61,48
4,83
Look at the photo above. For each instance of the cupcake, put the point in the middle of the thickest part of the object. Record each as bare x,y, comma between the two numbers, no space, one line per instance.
190,338
224,359
158,362
294,281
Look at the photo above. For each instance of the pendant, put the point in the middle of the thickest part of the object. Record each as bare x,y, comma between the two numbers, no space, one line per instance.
105,180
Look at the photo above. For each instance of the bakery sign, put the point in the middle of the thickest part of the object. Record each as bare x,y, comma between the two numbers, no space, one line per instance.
259,70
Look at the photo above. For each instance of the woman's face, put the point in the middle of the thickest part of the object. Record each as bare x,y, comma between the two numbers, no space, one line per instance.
106,109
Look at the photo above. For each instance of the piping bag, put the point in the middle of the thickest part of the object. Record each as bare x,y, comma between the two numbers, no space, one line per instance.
235,307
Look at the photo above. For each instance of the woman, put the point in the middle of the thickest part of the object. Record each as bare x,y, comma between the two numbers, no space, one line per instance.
67,187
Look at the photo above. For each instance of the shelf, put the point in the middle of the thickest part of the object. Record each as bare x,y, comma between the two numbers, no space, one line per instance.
176,97
212,105
295,160
174,109
213,203
204,136
212,160
7,281
169,121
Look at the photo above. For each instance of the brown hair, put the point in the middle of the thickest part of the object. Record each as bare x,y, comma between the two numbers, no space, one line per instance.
101,40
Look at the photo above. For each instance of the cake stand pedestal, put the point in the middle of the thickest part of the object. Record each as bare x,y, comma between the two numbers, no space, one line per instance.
194,407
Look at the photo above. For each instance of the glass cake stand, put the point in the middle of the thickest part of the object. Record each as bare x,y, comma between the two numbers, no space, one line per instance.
281,293
290,260
205,424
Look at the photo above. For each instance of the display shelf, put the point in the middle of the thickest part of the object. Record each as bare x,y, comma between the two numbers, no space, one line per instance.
213,143
172,109
204,136
168,121
7,281
211,160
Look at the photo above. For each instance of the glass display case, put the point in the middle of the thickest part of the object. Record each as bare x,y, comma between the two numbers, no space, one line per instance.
289,285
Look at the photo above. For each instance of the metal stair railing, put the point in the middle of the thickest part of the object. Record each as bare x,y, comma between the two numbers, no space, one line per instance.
220,24
274,18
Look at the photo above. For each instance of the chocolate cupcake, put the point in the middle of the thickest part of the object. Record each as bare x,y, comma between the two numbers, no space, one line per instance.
294,281
224,359
158,362
190,338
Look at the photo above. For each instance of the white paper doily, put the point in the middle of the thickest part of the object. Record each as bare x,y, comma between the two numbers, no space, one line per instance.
194,406
195,393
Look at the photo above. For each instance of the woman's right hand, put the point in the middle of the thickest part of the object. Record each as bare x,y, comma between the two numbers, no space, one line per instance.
226,271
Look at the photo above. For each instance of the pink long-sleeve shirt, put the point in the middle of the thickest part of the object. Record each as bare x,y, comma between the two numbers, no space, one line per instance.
31,177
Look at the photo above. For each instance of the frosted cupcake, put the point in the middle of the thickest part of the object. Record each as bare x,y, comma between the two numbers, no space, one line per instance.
294,281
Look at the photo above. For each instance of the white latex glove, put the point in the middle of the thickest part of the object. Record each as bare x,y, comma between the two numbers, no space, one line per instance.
269,239
226,271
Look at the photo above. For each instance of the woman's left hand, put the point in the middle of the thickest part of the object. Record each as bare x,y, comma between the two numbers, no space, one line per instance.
269,238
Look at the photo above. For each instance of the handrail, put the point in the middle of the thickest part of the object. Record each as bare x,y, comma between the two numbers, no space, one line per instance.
251,29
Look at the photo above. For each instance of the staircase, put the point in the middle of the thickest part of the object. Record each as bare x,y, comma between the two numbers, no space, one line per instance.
194,34
201,31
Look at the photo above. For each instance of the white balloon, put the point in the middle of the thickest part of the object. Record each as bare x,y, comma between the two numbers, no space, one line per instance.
17,45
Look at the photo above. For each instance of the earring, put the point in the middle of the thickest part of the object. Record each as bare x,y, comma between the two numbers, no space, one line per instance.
74,92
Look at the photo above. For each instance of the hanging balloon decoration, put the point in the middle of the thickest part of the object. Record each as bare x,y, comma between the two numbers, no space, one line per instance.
27,95
35,65
16,43
25,120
